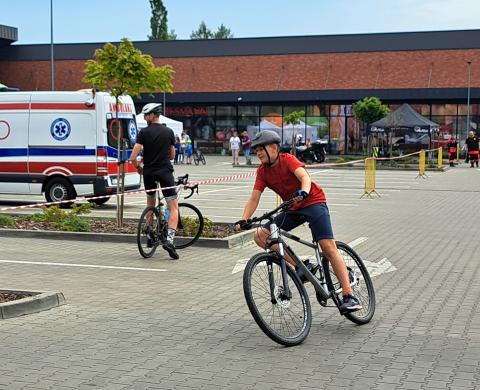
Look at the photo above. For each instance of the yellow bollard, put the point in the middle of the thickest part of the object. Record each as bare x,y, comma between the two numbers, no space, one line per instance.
440,158
370,177
421,165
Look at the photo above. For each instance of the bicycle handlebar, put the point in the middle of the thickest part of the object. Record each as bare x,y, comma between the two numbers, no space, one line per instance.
268,215
192,189
182,180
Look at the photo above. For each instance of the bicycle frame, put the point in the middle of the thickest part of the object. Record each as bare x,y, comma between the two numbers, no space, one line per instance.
319,285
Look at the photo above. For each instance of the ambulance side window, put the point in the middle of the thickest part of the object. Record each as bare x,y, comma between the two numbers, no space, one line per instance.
128,130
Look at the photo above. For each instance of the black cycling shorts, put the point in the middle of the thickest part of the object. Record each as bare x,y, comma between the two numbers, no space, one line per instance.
165,178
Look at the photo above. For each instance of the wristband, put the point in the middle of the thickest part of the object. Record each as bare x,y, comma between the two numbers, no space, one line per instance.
301,193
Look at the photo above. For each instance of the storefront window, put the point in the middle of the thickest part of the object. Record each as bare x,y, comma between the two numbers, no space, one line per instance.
422,109
226,111
337,129
317,128
317,110
289,109
250,124
444,109
355,140
474,109
248,111
271,111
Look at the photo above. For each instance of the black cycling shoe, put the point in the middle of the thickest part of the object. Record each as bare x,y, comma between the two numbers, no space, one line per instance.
168,246
312,268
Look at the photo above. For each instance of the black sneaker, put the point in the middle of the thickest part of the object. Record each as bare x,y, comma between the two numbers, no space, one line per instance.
312,268
350,304
168,246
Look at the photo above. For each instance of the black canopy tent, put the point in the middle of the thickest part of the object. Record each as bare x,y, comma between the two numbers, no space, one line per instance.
411,130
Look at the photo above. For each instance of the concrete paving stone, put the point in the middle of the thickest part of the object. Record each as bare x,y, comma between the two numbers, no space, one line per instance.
412,385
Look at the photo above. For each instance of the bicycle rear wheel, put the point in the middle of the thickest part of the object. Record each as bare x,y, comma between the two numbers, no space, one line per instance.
148,229
285,321
360,281
190,225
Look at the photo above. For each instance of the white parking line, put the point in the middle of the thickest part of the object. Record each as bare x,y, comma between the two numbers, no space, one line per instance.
84,265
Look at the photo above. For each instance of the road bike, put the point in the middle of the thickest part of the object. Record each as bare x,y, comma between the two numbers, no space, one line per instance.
277,298
153,224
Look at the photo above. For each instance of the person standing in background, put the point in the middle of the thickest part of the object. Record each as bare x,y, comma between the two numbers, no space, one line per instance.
235,147
247,146
472,147
452,146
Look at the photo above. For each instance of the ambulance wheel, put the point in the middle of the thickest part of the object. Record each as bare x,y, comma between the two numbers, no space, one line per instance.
58,190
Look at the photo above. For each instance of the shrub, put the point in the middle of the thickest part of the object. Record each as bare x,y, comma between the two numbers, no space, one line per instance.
6,221
75,224
65,220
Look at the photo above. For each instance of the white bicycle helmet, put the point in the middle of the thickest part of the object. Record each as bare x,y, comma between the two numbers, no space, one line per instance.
156,108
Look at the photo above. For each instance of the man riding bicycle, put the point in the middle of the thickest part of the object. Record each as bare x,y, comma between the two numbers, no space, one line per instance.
158,144
284,174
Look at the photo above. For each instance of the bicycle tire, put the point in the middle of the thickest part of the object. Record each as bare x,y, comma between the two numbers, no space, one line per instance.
364,290
196,159
256,301
143,240
190,225
202,159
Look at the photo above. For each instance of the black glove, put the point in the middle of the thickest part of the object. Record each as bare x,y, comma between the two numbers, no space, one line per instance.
244,224
301,193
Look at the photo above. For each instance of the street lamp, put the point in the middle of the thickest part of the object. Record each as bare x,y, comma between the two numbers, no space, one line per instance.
468,97
52,68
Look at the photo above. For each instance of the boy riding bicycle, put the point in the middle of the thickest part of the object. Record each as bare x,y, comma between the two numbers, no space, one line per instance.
284,174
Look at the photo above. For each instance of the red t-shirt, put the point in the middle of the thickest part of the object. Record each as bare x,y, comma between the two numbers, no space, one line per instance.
281,179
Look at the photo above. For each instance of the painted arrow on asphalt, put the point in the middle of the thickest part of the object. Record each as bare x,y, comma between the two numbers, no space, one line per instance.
374,269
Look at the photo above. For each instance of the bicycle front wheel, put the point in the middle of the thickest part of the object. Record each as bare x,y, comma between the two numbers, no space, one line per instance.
196,159
359,280
148,232
285,320
202,159
190,225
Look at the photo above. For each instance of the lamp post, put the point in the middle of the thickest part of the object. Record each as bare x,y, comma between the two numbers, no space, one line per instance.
468,97
52,67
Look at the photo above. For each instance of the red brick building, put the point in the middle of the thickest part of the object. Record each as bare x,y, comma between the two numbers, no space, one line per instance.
250,84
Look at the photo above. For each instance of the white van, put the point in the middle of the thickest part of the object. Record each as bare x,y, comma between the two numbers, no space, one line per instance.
64,144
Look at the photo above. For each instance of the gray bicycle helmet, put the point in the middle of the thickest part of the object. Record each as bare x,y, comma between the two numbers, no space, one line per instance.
266,137
156,108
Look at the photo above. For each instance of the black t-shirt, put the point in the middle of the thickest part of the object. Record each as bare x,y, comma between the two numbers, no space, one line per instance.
156,140
472,143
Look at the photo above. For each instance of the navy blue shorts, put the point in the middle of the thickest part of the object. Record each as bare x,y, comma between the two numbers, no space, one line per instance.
317,216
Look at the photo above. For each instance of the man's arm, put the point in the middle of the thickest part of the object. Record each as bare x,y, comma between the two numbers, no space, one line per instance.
137,148
172,152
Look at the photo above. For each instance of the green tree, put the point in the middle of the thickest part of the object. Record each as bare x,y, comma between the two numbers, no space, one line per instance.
294,119
124,70
223,33
369,110
203,32
158,21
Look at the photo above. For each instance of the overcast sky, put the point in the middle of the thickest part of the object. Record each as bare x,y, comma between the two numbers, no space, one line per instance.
111,20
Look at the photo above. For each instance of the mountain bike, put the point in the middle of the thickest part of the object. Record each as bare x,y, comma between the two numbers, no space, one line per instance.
153,224
277,298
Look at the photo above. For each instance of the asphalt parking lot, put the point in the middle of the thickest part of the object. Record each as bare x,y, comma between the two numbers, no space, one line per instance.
132,323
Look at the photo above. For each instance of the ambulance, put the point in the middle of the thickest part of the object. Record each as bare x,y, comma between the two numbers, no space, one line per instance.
64,144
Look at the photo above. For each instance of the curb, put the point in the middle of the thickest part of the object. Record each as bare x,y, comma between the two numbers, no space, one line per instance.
223,243
40,301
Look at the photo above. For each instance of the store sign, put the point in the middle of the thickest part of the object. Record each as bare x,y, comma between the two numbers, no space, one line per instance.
187,111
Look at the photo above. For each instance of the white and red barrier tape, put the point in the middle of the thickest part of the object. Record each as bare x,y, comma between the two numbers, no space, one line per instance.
201,182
